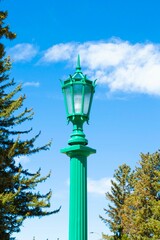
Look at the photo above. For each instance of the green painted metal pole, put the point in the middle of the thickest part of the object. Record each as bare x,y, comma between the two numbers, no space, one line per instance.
78,94
78,190
78,198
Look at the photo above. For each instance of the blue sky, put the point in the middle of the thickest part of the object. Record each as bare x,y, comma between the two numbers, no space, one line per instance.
119,44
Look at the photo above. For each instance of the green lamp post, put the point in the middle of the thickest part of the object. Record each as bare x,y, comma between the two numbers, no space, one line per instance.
78,94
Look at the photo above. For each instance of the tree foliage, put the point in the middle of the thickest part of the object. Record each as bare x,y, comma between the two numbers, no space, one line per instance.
120,189
141,216
135,210
18,197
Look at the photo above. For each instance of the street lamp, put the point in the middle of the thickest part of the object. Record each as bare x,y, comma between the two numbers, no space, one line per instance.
78,93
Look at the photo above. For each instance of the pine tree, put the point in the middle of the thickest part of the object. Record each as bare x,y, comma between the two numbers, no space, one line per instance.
120,189
18,197
141,216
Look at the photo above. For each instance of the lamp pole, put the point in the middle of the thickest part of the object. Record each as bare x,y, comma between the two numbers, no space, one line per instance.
78,93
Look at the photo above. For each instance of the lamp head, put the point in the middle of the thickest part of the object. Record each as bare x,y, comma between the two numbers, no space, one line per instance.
78,93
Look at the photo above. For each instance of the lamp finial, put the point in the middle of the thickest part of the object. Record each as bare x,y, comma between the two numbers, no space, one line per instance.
78,67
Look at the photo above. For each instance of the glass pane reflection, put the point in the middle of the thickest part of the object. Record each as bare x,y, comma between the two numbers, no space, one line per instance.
68,99
87,97
77,89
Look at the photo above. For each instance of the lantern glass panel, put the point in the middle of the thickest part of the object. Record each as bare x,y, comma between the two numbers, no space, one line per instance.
68,99
87,98
77,92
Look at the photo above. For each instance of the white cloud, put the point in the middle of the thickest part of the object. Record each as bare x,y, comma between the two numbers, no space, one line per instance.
100,186
31,84
59,52
120,65
22,52
22,159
